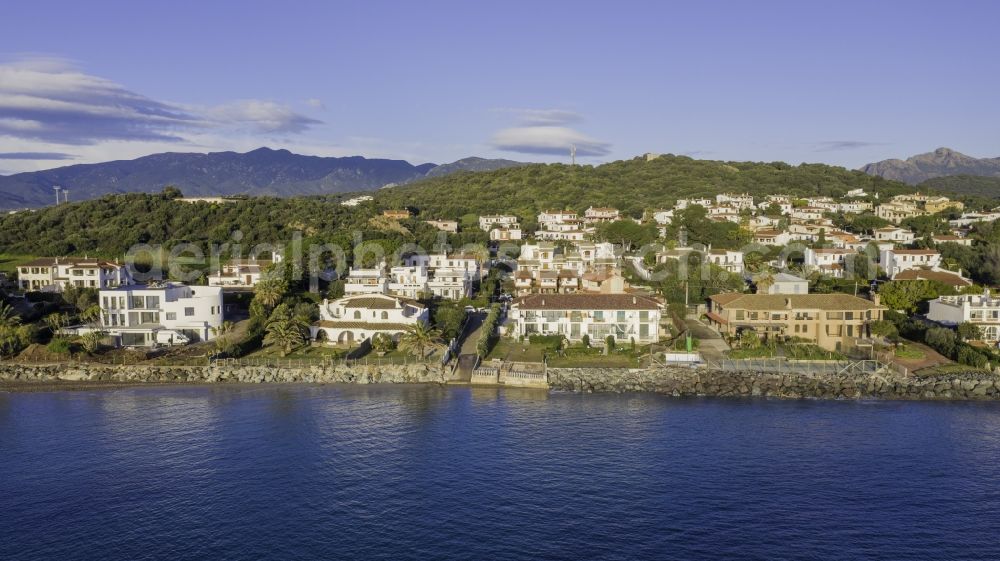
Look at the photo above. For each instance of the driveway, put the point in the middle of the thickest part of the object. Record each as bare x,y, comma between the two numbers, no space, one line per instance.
711,345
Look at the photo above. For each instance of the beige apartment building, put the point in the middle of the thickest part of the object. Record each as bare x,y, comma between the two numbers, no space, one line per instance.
832,321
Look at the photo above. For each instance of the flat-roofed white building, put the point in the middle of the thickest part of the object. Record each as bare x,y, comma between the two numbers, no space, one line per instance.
982,310
490,221
894,261
894,235
167,313
595,215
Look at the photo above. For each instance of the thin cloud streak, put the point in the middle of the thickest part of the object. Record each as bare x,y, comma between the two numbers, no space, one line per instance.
51,101
36,156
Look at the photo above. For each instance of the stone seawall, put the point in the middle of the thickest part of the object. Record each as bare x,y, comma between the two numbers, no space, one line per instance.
679,381
361,374
676,381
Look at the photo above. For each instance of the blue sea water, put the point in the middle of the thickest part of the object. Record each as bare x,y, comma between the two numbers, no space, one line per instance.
425,472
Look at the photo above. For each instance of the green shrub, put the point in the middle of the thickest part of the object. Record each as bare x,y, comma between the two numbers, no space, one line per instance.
59,346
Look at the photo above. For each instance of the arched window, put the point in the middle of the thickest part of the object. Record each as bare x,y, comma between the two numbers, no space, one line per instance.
357,314
385,315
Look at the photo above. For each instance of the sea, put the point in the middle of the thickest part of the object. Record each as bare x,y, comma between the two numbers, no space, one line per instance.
431,472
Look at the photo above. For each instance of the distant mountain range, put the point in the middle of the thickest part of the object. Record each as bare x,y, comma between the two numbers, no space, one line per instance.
939,163
259,172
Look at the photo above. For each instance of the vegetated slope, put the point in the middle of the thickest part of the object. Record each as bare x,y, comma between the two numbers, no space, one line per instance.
630,185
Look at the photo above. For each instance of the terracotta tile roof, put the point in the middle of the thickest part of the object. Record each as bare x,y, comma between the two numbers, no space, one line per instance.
833,302
914,252
74,261
363,325
587,302
376,302
947,277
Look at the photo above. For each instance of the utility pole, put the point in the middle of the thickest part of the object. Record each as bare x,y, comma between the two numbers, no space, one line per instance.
66,195
57,188
572,153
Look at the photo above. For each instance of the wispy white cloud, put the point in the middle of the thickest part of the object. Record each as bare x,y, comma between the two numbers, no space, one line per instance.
550,140
49,156
839,145
52,101
541,117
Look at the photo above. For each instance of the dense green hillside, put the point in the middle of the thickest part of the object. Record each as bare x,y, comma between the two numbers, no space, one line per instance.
632,185
110,225
967,185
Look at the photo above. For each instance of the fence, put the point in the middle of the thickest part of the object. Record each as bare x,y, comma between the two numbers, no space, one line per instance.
780,365
277,362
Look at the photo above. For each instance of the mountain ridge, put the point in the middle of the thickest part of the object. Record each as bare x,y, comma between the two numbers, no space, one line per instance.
263,171
941,162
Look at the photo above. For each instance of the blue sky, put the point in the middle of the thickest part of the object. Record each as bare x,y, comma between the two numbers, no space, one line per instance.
837,82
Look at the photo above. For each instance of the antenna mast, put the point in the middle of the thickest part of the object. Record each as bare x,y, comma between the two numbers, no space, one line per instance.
65,195
57,188
572,153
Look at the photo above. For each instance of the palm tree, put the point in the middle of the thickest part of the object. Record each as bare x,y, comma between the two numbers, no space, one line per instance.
418,338
221,334
285,333
91,340
269,293
764,281
55,322
8,317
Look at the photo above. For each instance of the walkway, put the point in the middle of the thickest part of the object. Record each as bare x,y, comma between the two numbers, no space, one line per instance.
710,343
467,354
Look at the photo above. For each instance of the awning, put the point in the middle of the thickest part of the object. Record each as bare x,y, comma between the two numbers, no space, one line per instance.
716,318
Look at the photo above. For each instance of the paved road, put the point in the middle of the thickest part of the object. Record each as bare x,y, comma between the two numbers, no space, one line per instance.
467,354
710,344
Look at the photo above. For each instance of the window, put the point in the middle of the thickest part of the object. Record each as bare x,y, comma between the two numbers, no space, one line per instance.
188,312
171,316
385,315
357,314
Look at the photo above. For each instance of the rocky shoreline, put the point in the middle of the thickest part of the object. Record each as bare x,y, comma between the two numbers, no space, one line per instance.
675,381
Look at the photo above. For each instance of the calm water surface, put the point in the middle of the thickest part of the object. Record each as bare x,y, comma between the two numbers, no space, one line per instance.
419,472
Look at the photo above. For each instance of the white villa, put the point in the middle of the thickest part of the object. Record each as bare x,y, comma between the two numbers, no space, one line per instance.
624,316
240,273
784,283
353,319
53,274
980,309
895,261
166,313
894,235
491,221
594,215
831,261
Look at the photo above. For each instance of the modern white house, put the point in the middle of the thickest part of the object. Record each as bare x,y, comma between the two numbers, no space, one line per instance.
894,261
353,319
729,259
238,273
491,221
362,280
895,235
831,261
53,274
506,233
167,313
784,283
624,316
980,309
595,215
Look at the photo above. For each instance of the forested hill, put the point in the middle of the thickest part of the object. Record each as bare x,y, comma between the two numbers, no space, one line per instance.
110,225
259,172
630,185
964,185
